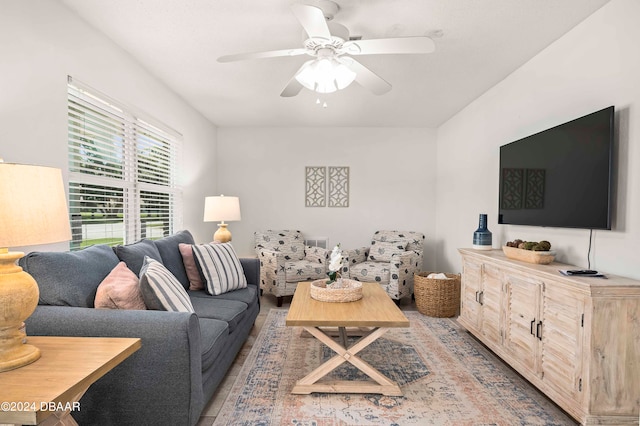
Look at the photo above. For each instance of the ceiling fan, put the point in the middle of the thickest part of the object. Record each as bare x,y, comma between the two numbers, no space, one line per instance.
333,67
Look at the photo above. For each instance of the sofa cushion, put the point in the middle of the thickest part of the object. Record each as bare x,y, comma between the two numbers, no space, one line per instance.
230,311
193,274
214,334
70,278
161,290
171,256
120,290
220,267
248,295
133,254
381,251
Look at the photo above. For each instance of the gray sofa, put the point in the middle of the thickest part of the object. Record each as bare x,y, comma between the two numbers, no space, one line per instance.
184,356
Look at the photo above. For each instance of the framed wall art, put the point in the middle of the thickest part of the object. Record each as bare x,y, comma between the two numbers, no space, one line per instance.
338,186
315,186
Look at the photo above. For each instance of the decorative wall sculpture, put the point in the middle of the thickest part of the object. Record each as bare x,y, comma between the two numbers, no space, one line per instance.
316,186
338,186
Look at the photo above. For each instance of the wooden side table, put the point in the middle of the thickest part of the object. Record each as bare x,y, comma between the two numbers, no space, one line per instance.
48,390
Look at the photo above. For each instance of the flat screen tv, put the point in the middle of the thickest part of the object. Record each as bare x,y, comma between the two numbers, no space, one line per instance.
560,177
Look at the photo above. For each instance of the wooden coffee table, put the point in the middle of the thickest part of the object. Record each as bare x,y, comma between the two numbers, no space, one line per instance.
374,315
46,391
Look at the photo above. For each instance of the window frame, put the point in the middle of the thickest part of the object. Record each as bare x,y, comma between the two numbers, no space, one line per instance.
120,137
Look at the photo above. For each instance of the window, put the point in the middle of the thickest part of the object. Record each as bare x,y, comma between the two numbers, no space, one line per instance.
122,172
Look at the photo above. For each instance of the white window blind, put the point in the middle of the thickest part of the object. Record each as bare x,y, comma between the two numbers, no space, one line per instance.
122,172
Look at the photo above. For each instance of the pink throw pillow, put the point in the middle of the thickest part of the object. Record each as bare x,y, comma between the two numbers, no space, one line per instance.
119,290
195,282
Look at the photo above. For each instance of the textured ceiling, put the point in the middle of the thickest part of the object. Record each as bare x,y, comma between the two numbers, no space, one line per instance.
478,43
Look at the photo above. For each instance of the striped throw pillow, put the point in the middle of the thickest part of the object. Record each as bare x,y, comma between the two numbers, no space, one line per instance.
161,290
220,267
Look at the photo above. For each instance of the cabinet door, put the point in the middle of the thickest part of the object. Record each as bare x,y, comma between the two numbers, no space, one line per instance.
470,292
491,302
562,338
523,324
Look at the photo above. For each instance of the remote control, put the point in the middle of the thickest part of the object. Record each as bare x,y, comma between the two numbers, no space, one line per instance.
582,272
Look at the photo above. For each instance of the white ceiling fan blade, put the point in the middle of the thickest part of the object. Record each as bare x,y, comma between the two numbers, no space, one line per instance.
292,89
382,46
259,55
367,78
312,20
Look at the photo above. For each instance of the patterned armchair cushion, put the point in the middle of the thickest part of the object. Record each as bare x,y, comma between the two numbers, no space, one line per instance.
381,251
414,240
316,255
358,255
391,260
288,242
301,270
371,272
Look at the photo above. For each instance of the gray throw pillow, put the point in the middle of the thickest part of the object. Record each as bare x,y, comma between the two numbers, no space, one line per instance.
161,291
133,254
170,254
70,278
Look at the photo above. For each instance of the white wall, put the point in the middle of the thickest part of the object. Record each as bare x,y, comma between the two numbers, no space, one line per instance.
42,43
595,65
392,182
423,183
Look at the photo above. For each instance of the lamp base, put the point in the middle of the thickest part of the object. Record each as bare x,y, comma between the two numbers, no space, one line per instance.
222,235
19,357
18,298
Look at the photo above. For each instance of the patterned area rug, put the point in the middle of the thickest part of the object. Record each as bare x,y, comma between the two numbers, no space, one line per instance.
447,377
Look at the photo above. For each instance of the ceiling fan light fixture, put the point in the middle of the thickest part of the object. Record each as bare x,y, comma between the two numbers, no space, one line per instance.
330,43
344,76
325,75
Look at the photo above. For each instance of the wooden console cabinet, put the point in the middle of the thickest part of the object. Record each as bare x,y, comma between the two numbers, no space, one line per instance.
577,339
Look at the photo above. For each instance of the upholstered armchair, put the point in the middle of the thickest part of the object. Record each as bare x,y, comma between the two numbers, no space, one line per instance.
285,261
391,260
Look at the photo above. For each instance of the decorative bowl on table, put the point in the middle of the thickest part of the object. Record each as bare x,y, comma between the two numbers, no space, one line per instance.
343,290
529,256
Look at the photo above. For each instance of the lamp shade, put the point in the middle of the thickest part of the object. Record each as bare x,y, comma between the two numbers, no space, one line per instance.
325,75
33,210
34,206
221,208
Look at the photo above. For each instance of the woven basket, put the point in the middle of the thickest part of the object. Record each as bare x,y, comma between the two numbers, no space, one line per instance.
437,297
350,291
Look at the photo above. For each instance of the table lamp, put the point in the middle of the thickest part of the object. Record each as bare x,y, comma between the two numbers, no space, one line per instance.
221,208
33,210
